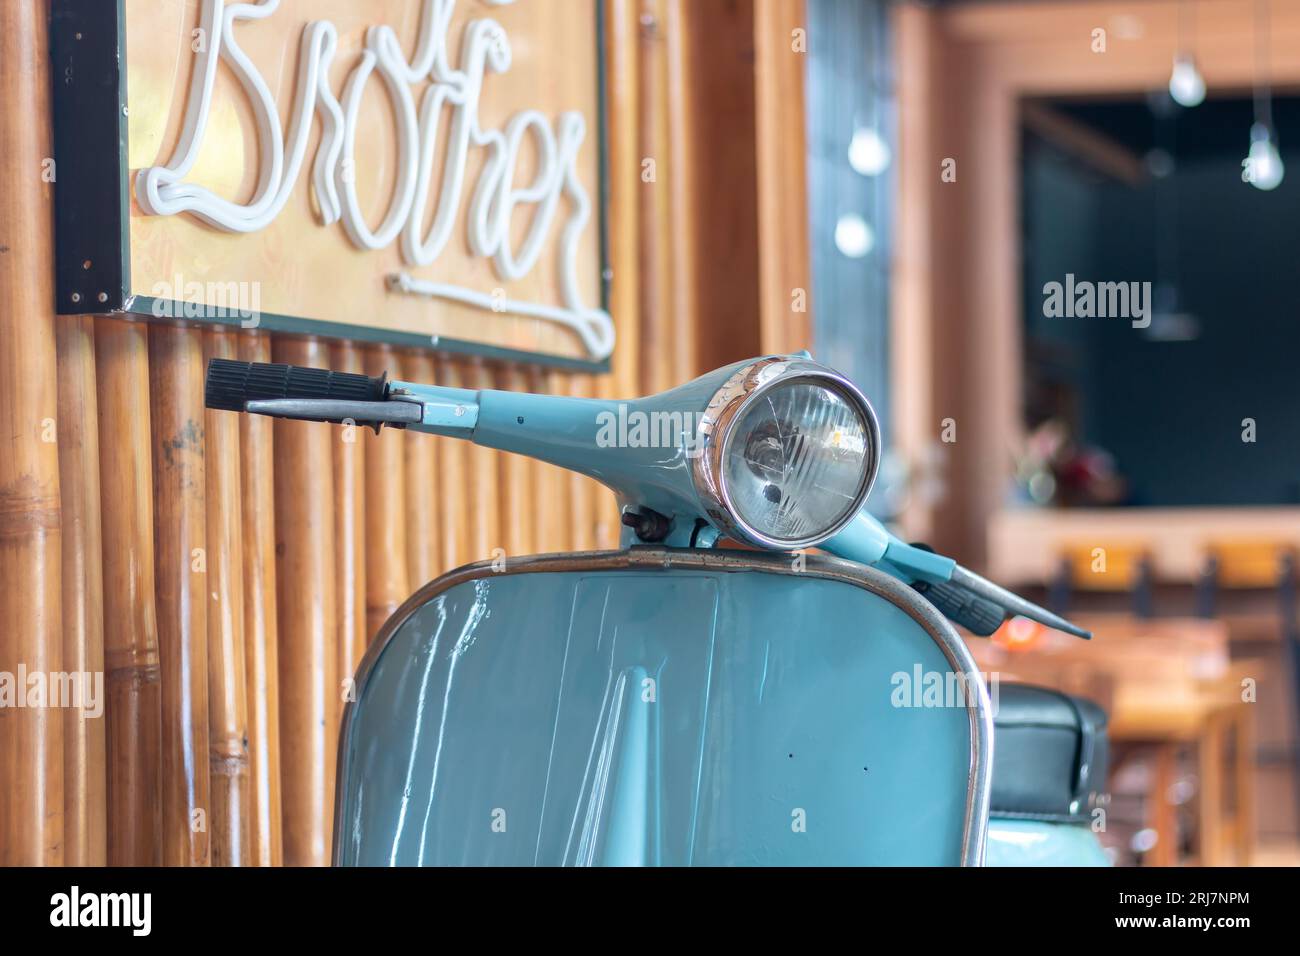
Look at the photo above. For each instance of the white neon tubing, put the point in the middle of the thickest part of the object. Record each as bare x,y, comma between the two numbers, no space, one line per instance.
485,44
593,326
163,191
378,54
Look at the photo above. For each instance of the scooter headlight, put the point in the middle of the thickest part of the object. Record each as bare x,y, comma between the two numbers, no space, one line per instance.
791,449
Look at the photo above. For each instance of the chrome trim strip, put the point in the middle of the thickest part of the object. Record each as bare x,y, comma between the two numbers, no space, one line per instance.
980,713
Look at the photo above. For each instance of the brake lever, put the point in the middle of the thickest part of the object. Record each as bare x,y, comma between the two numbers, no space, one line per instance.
1013,604
978,615
398,414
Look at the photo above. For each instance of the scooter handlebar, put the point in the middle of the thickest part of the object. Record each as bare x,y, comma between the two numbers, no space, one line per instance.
231,385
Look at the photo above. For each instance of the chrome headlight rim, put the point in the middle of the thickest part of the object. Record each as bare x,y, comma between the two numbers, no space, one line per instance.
725,408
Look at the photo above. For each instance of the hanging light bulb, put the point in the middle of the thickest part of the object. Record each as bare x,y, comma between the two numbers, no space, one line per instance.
1264,164
869,154
1186,85
853,236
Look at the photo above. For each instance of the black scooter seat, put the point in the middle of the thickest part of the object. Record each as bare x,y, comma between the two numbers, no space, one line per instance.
1049,754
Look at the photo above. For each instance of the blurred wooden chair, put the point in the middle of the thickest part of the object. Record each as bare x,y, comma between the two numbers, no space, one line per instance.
1110,566
1249,564
1259,564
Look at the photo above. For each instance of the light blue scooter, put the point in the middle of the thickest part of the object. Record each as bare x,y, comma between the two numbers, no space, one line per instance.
680,703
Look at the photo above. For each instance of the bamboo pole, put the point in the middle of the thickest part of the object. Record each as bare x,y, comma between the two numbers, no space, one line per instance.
308,622
350,528
625,187
423,552
181,560
227,692
521,502
31,738
387,585
682,258
266,845
484,485
134,705
784,264
453,473
653,349
550,497
84,827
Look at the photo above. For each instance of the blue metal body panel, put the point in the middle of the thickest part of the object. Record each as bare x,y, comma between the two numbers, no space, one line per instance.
653,717
567,432
1033,843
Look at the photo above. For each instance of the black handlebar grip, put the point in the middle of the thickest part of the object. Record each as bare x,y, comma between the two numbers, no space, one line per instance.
979,616
231,384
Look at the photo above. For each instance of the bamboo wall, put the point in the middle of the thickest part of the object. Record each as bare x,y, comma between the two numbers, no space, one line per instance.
225,572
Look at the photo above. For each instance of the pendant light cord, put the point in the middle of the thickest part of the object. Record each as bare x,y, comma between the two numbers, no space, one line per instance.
1263,89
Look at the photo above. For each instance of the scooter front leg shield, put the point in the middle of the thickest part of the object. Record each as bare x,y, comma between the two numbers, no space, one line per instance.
659,707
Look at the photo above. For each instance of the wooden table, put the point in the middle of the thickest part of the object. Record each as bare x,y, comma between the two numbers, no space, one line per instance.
1167,684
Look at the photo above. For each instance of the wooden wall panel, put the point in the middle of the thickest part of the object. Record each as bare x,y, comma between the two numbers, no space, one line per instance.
243,564
261,628
133,709
84,825
31,738
227,690
181,566
308,621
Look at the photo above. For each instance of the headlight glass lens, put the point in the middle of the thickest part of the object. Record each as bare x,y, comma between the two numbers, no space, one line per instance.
797,460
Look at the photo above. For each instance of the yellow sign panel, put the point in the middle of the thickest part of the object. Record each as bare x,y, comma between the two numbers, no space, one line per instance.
421,171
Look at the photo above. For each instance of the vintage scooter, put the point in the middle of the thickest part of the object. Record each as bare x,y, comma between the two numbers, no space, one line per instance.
681,703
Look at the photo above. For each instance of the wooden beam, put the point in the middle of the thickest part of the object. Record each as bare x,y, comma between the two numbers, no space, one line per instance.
784,266
915,426
1091,147
728,296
